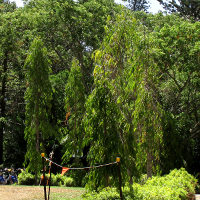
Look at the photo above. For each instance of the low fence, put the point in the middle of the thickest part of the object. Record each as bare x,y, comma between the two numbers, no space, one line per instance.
65,169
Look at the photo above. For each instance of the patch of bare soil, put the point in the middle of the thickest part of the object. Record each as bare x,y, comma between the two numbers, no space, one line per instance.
30,192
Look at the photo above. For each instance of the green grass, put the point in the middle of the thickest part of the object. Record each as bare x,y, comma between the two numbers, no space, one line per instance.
72,193
63,197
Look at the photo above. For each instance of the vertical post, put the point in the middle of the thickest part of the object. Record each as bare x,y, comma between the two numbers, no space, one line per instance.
51,157
120,178
44,180
49,182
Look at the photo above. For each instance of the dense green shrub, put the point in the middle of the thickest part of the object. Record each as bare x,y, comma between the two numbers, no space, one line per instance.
69,182
149,192
26,178
59,180
178,185
109,194
105,194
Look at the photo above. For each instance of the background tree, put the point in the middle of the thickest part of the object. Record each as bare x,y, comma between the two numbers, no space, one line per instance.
12,88
178,63
75,110
38,104
138,5
179,71
81,23
187,8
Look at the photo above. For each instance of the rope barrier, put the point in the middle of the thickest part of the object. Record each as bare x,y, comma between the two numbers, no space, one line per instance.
81,168
47,159
65,169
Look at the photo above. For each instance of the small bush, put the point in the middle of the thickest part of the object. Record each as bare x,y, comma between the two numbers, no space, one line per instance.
105,194
26,178
59,180
109,194
149,192
69,182
179,184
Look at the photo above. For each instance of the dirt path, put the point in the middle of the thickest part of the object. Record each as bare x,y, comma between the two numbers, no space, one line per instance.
32,193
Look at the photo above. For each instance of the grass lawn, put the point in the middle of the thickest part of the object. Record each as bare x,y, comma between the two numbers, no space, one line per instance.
16,192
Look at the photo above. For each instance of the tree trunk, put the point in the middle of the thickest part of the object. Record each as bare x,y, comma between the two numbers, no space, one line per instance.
37,130
149,164
130,177
3,104
37,137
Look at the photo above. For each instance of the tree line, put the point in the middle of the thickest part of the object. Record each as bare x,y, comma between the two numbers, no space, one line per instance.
96,80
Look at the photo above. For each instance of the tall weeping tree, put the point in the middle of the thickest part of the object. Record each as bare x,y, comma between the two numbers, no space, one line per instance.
101,129
130,74
75,100
38,104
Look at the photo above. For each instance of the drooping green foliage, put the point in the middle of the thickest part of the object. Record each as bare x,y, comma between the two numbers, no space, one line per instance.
38,98
75,110
121,108
58,82
101,129
132,62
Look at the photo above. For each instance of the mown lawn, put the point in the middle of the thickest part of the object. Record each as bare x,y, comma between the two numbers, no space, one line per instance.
67,193
16,192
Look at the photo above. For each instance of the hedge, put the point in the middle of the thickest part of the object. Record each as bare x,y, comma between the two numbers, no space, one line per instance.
26,178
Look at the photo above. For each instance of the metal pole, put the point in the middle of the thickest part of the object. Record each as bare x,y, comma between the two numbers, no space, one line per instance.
120,178
44,180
